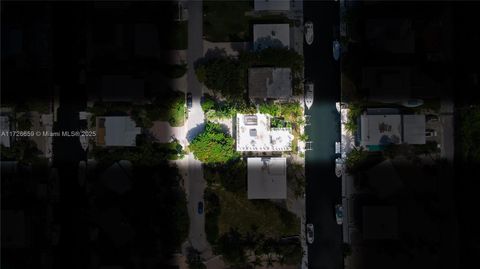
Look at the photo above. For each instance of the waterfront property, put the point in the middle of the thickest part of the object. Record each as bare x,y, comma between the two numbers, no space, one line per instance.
377,131
269,83
272,5
267,178
254,133
271,36
116,131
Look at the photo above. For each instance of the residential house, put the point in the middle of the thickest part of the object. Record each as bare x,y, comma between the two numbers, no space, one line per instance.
272,5
267,178
116,131
269,83
271,36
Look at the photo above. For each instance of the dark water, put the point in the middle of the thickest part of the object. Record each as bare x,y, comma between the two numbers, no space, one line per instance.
323,187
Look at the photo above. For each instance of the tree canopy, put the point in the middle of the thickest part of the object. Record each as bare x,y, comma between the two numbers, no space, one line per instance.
213,145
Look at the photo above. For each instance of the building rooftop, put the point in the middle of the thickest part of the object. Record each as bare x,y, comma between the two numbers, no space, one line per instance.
414,129
255,134
391,34
116,131
271,36
121,88
384,179
269,82
117,177
267,178
5,127
272,5
380,129
380,222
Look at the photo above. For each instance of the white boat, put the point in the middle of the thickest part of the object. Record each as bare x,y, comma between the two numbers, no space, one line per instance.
338,147
84,142
338,106
310,233
309,94
339,167
308,32
336,50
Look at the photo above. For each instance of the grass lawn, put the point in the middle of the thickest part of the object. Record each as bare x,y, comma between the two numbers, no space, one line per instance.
179,38
237,211
226,21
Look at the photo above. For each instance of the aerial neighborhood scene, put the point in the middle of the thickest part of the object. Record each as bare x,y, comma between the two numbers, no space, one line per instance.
239,134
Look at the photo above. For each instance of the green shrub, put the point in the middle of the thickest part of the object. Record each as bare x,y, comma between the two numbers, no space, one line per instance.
213,145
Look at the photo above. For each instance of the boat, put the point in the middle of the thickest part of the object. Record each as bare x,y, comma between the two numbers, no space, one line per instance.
309,32
84,142
310,233
339,167
309,94
339,214
338,106
336,50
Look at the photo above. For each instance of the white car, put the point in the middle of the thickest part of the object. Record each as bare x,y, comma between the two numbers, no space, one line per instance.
310,233
309,32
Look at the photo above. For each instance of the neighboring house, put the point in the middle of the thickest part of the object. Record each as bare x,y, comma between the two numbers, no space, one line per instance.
377,131
122,88
387,84
271,36
255,134
384,179
267,178
392,35
116,131
113,223
147,42
380,222
272,5
269,83
117,177
5,127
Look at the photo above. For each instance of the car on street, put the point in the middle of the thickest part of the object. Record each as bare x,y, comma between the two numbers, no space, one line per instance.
200,207
310,233
189,100
339,214
430,133
431,118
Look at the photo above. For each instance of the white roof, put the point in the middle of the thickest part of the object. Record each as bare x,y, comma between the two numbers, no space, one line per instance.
5,127
414,129
120,131
272,5
254,134
271,36
381,129
267,178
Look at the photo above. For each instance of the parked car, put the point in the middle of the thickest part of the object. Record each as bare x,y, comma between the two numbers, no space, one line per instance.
189,100
430,133
310,233
339,214
200,207
431,118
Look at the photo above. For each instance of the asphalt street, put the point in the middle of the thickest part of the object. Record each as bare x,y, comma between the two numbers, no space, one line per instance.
323,187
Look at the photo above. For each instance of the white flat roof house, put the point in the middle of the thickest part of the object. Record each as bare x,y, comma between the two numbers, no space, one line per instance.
381,130
255,134
269,83
267,178
272,5
271,36
5,127
116,131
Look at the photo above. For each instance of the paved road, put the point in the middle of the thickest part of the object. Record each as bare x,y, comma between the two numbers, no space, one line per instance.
195,184
323,187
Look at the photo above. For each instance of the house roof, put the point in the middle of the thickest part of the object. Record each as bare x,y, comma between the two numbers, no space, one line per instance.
380,222
255,134
384,179
387,83
269,82
117,177
117,130
271,36
380,129
272,5
267,178
414,129
393,35
5,127
120,88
